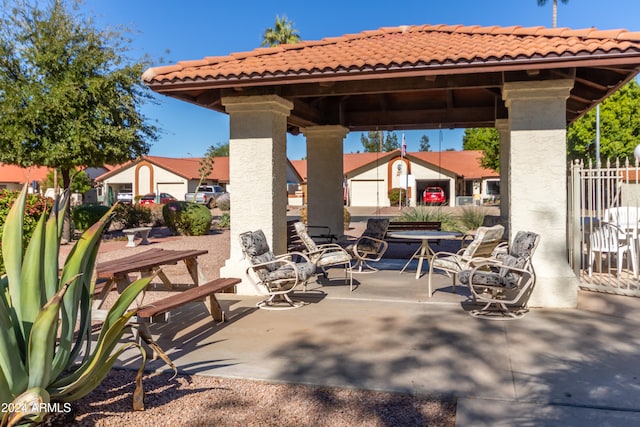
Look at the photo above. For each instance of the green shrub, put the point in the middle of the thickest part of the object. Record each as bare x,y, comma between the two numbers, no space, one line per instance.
471,217
131,216
35,206
187,218
224,202
155,212
422,213
395,194
84,216
224,221
346,217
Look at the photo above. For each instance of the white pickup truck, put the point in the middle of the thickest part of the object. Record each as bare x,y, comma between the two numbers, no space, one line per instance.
206,195
125,196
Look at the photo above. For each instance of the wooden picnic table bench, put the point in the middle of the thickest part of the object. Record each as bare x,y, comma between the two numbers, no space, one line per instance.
115,274
209,289
395,226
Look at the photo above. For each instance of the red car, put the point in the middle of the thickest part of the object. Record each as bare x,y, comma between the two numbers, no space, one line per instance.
149,199
433,195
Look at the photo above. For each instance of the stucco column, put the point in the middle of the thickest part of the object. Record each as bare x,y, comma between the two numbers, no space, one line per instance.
502,126
538,183
324,176
257,174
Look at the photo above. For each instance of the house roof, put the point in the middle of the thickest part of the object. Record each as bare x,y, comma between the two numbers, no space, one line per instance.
19,175
184,167
410,77
464,163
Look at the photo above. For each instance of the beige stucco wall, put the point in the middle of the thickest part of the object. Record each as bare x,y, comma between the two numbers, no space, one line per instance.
537,169
257,131
127,177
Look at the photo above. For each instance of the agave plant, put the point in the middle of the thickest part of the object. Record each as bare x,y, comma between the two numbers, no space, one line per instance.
46,356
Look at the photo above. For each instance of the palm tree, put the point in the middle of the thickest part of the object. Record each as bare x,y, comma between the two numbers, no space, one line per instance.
281,33
555,10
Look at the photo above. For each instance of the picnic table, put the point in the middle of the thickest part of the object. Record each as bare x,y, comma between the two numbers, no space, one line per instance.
116,275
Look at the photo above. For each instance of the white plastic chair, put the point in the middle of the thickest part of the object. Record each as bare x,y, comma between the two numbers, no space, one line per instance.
611,239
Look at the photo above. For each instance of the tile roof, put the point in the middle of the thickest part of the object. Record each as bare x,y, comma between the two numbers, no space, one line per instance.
184,167
19,175
404,48
464,163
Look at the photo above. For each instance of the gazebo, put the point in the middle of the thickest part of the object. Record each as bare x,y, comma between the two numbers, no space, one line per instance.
528,83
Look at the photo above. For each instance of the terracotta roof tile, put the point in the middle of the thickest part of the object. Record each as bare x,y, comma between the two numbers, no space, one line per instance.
184,167
19,175
392,48
462,163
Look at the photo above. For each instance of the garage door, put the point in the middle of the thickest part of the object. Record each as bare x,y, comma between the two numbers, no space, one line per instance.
177,190
369,193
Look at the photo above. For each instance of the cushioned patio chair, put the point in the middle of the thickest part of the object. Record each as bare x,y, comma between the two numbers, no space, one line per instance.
325,255
278,275
505,281
483,244
371,245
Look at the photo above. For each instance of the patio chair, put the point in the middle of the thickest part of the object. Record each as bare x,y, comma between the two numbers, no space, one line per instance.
278,275
610,239
483,244
325,255
371,245
506,280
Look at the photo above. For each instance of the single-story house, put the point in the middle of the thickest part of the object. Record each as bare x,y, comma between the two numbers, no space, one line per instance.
369,177
176,176
13,177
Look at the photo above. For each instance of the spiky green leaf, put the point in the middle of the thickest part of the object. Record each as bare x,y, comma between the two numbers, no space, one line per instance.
32,286
81,260
12,248
42,341
111,331
11,358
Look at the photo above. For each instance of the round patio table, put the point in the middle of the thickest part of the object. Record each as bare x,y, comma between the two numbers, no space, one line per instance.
424,251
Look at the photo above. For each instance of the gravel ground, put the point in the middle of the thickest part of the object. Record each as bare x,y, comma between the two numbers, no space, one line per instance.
192,400
207,401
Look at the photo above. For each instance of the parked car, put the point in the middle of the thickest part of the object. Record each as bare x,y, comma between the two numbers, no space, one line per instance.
206,195
149,199
433,195
125,196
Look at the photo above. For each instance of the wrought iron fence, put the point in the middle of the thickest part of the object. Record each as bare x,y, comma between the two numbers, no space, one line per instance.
604,213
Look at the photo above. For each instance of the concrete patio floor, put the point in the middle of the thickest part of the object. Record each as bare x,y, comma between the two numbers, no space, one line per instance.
553,367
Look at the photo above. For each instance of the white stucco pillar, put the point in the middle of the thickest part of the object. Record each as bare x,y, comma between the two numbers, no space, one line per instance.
257,173
538,183
502,126
324,176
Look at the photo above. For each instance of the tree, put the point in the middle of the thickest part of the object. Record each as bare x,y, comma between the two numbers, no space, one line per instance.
371,141
281,33
390,142
221,149
206,164
80,181
424,144
554,19
619,127
68,98
488,141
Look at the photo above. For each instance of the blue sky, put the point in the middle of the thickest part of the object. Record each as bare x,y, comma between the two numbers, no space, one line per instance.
192,29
